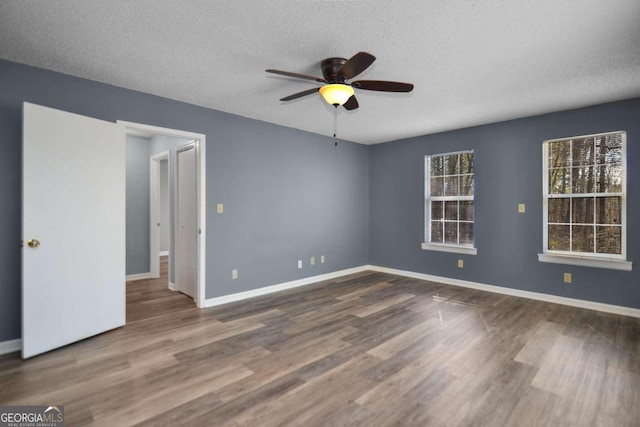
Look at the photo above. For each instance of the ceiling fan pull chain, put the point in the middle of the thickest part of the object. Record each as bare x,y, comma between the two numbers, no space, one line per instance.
335,124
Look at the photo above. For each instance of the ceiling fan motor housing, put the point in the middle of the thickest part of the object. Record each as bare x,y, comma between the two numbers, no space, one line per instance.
330,68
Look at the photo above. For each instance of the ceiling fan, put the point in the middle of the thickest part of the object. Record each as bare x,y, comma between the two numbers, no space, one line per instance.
336,89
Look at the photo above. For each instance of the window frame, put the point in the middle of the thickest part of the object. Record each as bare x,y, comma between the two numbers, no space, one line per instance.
427,244
615,261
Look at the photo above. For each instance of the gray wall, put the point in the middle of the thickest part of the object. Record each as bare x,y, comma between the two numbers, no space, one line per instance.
288,194
508,171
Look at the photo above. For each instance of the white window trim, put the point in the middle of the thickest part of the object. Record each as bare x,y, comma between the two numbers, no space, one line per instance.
610,263
427,245
456,249
615,262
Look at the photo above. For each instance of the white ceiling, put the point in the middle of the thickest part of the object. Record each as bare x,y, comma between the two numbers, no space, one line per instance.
472,62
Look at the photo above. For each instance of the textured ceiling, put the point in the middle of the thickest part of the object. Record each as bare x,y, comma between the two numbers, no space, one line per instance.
472,62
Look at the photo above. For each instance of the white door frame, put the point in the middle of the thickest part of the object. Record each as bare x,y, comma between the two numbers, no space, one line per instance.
201,191
154,211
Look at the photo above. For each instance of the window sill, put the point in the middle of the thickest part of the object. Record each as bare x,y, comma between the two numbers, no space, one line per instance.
450,248
612,264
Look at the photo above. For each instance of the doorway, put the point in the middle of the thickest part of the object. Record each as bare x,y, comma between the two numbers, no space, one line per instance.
182,242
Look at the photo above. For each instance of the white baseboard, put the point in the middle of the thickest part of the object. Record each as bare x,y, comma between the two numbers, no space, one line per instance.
139,276
590,305
164,253
10,346
172,287
280,287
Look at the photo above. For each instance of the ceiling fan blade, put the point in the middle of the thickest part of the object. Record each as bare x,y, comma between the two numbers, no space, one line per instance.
382,86
351,104
296,75
356,64
300,94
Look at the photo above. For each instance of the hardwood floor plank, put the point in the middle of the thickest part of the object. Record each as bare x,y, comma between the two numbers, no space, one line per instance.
561,366
310,403
362,290
501,397
153,399
413,406
403,340
537,347
227,411
619,403
383,305
283,362
534,408
398,384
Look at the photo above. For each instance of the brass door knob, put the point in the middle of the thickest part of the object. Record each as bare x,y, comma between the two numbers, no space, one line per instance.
33,243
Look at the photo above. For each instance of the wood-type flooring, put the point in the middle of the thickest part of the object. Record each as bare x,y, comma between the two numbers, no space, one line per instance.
369,349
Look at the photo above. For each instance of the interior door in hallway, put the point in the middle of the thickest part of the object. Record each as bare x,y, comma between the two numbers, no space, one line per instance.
186,220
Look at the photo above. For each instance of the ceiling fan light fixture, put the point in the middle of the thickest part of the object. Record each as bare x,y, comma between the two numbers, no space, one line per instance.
336,94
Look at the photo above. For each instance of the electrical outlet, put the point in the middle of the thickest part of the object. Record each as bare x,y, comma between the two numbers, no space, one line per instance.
567,277
321,259
299,263
234,274
460,263
220,208
521,208
313,260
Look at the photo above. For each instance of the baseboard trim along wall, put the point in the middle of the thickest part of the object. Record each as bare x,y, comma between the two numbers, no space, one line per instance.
211,302
10,346
597,306
139,276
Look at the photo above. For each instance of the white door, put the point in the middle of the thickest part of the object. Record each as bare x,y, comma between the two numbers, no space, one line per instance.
186,220
158,221
73,228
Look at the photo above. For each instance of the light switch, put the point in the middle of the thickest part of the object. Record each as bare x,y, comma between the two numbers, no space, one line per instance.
460,263
567,277
234,274
322,259
220,208
313,260
521,208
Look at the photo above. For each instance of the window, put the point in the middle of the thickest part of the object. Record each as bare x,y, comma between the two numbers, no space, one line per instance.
449,202
584,183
